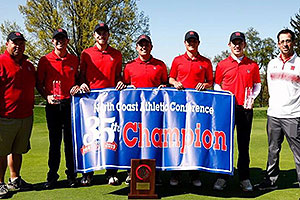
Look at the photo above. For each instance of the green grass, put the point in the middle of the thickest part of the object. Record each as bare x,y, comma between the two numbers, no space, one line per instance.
35,168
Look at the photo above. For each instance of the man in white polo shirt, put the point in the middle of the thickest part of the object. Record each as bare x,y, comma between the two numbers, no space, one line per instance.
283,76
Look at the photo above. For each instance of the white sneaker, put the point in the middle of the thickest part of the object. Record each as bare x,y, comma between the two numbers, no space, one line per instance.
174,181
220,184
246,185
112,180
3,190
128,179
196,183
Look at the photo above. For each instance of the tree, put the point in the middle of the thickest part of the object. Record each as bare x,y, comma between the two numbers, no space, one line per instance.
261,51
79,18
295,23
6,27
222,56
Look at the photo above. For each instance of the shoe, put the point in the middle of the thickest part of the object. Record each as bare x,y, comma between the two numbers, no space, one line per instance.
113,180
50,184
86,180
128,179
72,182
266,184
18,185
158,181
196,182
246,185
3,190
220,184
174,180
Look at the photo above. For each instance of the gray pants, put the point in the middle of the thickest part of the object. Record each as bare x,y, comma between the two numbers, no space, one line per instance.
276,129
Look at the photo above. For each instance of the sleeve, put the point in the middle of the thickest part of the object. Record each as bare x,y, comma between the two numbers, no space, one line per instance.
209,74
76,70
41,76
82,69
164,77
256,75
174,69
218,75
119,69
256,90
126,75
217,87
2,73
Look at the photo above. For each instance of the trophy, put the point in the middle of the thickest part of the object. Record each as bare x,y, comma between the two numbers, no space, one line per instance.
142,179
56,85
248,98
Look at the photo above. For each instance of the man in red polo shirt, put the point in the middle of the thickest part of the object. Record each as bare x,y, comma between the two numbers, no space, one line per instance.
190,70
17,81
100,67
239,75
145,71
56,74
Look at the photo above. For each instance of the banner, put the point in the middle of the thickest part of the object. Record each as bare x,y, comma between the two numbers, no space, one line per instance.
182,130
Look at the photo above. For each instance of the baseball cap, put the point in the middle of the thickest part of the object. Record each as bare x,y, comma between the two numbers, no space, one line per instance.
144,37
15,35
237,35
191,34
60,31
103,26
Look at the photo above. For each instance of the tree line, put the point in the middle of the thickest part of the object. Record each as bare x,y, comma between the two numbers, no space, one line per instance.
79,17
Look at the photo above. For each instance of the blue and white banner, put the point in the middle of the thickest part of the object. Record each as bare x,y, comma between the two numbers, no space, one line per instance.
182,130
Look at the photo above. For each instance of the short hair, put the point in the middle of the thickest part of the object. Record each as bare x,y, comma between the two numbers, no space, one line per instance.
285,31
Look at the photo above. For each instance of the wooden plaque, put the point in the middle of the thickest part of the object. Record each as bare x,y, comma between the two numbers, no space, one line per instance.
142,184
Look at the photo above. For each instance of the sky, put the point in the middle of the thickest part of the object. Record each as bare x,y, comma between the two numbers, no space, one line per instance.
214,20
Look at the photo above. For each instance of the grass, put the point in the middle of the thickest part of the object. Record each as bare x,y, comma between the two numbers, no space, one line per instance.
35,168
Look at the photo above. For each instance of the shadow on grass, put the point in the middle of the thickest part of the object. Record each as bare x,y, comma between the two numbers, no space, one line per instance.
286,180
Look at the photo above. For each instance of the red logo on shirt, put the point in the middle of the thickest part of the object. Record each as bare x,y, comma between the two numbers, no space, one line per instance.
292,67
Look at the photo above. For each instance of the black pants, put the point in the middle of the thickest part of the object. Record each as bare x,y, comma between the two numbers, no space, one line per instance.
59,126
243,123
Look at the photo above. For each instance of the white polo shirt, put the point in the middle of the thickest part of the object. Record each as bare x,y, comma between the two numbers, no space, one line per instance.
284,87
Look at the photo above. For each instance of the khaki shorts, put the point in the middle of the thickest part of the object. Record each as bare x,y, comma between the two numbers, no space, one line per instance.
15,135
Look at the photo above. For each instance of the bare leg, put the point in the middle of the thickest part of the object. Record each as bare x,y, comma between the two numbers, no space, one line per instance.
14,164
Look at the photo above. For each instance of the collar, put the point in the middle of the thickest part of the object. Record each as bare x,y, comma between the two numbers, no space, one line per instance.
238,60
106,51
56,57
197,58
287,60
24,58
147,61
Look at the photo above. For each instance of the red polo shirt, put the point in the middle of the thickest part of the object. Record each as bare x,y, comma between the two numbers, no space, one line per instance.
235,77
100,69
53,68
146,74
16,87
191,72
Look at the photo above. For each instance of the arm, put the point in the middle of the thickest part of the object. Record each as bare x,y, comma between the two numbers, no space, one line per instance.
41,75
208,78
173,74
178,85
